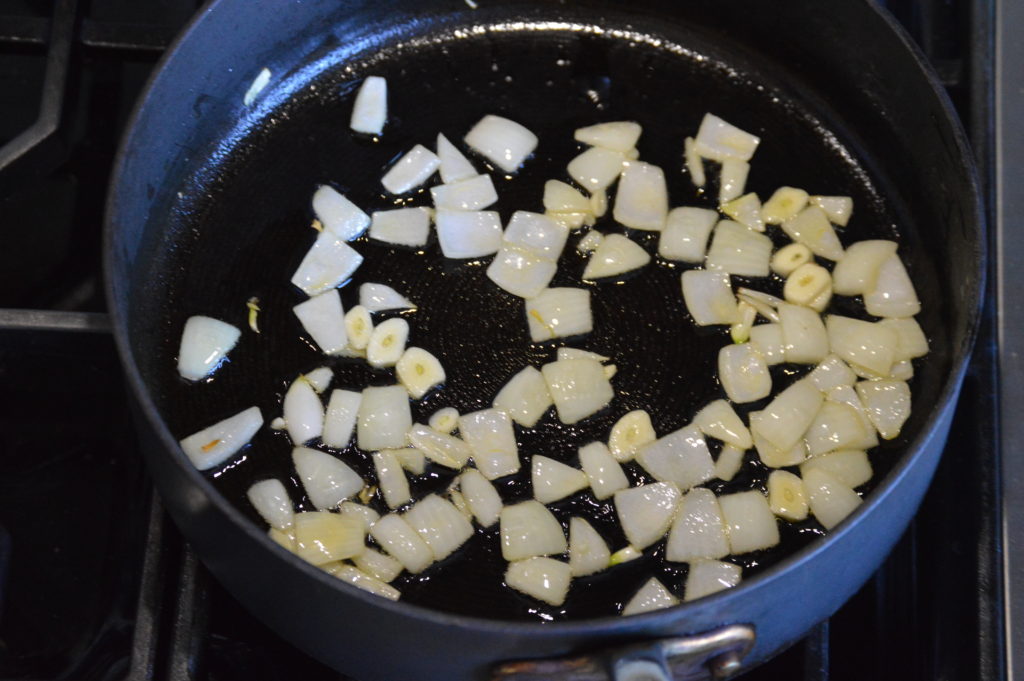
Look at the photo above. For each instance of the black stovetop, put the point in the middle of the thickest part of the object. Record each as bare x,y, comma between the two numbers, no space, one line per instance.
95,583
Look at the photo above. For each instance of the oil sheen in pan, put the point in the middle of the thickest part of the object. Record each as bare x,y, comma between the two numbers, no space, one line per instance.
246,225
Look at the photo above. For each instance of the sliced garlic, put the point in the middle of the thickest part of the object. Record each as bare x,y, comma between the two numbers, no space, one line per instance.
698,531
525,397
588,552
391,478
553,480
746,210
786,496
789,258
322,537
444,420
615,255
205,343
454,166
370,111
604,473
783,205
750,522
503,142
578,387
384,418
419,371
806,283
529,529
327,479
646,512
709,298
707,577
489,433
615,135
653,595
629,434
641,201
812,228
411,171
387,343
681,457
545,579
358,327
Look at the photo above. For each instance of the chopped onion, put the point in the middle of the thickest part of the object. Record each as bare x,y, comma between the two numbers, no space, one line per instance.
258,83
911,342
646,512
361,580
387,343
629,434
537,234
444,420
320,378
377,565
384,418
322,537
786,418
783,205
559,312
745,210
578,387
729,461
328,263
887,404
560,197
709,297
767,339
599,203
419,371
738,250
849,466
681,457
653,595
338,215
596,168
411,171
588,552
521,272
746,314
380,297
553,480
719,140
327,480
624,555
831,373
340,420
694,164
285,539
698,531
571,220
743,373
803,334
806,283
454,166
788,258
710,576
893,294
439,524
616,135
812,228
483,499
862,343
401,226
786,496
367,516
830,500
391,478
765,303
846,394
732,180
370,111
772,456
505,143
857,272
529,529
577,353
837,208
525,397
642,198
446,450
402,542
545,579
411,459
604,473
590,242
474,193
686,233
616,254
750,522
205,343
324,319
719,420
303,412
271,501
468,234
489,433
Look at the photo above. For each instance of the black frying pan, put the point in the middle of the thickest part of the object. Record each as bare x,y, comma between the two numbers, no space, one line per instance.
212,207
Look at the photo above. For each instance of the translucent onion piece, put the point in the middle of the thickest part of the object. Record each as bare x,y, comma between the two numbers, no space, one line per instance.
411,459
490,435
837,208
338,215
698,531
327,480
303,412
285,539
377,565
578,387
442,449
205,342
529,529
559,312
849,466
830,500
615,135
320,378
709,297
505,143
911,342
521,272
694,164
259,82
738,250
653,595
786,496
866,344
271,501
783,205
604,473
402,542
366,515
745,316
358,327
391,478
536,234
402,226
686,233
590,242
681,457
812,228
599,203
482,497
553,480
641,201
646,512
545,579
468,234
831,373
729,461
719,420
707,577
361,580
893,294
411,171
419,371
322,537
370,111
342,410
624,555
324,319
806,283
719,140
617,254
379,297
454,166
732,180
786,418
596,168
846,394
560,197
439,524
767,339
887,404
765,303
631,432
588,552
772,456
857,272
902,370
745,210
446,420
384,418
750,522
474,193
743,372
803,334
387,343
789,258
576,353
328,263
525,397
570,220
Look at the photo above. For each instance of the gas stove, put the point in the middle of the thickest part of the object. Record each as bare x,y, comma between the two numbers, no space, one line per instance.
96,583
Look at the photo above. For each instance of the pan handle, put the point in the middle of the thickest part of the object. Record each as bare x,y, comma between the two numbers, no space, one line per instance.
715,655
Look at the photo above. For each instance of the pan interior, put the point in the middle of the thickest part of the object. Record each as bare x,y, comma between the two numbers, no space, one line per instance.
242,224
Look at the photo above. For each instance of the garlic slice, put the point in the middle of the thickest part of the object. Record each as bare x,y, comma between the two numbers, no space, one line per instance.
806,283
837,208
615,135
681,457
322,537
503,142
439,524
786,496
529,529
444,420
468,234
411,171
327,480
783,205
358,327
718,140
402,542
698,531
474,193
454,165
707,577
789,258
553,480
258,84
483,499
588,552
738,250
830,500
324,319
391,478
596,168
686,233
446,450
812,228
719,420
746,314
545,579
215,444
653,595
745,210
559,312
521,272
743,373
604,473
525,397
387,343
709,298
629,434
578,387
750,522
409,227
338,215
370,111
303,412
271,501
384,418
641,201
646,512
489,433
328,263
379,297
205,343
419,371
616,254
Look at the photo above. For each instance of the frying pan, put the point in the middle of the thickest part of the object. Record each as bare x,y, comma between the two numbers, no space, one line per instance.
210,206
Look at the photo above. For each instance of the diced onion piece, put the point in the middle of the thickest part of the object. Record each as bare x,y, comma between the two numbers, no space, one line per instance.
738,250
862,343
320,378
338,215
361,580
772,456
525,397
911,342
367,516
379,297
480,495
370,111
537,234
694,163
646,512
560,197
402,542
559,312
284,539
719,420
846,394
743,372
391,478
765,303
445,420
545,579
571,220
454,166
709,297
624,555
653,595
783,205
604,473
812,228
565,352
887,403
745,210
719,140
489,433
599,203
377,565
789,258
806,283
387,343
629,434
767,339
707,577
205,342
615,135
786,496
698,531
328,263
830,500
303,412
474,193
410,171
729,461
358,327
590,242
522,273
411,459
832,372
681,457
324,319
857,272
401,226
529,529
459,501
617,254
902,370
271,501
553,480
641,201
786,418
384,418
439,524
849,466
419,371
837,208
732,180
322,537
578,387
327,480
258,83
750,522
588,552
505,143
342,410
803,334
686,233
446,450
596,168
745,316
468,234
893,294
